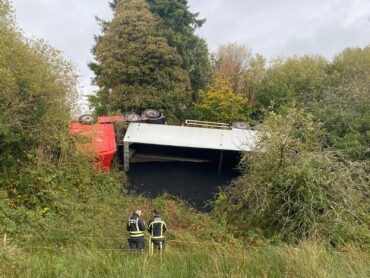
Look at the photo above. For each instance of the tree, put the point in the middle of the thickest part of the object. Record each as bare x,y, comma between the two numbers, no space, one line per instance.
293,189
300,80
6,15
232,60
136,68
353,64
178,26
37,93
237,63
345,107
219,103
336,93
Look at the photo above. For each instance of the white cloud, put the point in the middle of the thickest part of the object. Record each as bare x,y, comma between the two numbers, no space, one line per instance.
286,27
269,27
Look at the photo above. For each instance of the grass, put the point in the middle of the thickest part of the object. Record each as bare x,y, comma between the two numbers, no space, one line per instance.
85,238
203,259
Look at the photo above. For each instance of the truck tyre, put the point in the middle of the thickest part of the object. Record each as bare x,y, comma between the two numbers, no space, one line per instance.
87,119
152,113
159,121
241,125
132,117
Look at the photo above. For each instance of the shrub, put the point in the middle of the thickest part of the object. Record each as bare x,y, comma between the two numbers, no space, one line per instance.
292,189
220,103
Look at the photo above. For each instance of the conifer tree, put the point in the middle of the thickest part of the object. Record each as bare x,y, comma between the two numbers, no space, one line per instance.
136,68
178,26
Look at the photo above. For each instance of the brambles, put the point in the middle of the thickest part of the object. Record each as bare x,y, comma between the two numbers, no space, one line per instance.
293,189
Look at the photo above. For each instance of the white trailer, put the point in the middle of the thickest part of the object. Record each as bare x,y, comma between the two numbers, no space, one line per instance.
238,140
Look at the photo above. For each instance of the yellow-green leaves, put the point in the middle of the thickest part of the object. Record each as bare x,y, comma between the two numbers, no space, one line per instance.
220,103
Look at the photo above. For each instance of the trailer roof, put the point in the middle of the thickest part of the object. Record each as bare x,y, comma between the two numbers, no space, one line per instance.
191,137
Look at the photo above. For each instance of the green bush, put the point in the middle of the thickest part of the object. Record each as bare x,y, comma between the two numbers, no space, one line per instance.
292,189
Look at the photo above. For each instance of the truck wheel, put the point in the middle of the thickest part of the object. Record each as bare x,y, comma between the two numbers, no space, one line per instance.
159,121
132,117
151,113
87,119
241,125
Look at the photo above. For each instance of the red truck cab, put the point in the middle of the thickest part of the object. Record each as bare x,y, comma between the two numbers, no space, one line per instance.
98,137
99,140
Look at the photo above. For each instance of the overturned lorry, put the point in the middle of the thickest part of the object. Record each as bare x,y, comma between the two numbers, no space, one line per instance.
147,138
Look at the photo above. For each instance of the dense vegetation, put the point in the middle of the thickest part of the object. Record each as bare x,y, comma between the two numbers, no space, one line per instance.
299,208
37,92
293,189
137,68
311,178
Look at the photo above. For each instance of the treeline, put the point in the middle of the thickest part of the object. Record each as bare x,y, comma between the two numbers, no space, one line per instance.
310,178
149,56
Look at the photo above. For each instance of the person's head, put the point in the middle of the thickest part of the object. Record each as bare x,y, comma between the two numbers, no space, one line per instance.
156,211
138,212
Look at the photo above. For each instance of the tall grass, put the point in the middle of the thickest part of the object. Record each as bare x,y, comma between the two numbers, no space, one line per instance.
189,260
86,238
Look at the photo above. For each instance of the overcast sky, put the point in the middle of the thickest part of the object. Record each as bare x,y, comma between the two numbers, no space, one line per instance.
268,27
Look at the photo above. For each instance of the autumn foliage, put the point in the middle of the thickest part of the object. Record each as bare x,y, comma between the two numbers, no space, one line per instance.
221,104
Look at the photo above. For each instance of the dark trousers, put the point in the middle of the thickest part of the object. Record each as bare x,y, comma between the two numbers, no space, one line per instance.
158,245
136,244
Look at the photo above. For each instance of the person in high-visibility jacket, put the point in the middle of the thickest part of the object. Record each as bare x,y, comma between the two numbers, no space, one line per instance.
136,229
157,228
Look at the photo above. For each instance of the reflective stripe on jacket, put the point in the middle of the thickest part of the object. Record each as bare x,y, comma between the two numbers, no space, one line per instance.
135,226
157,227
